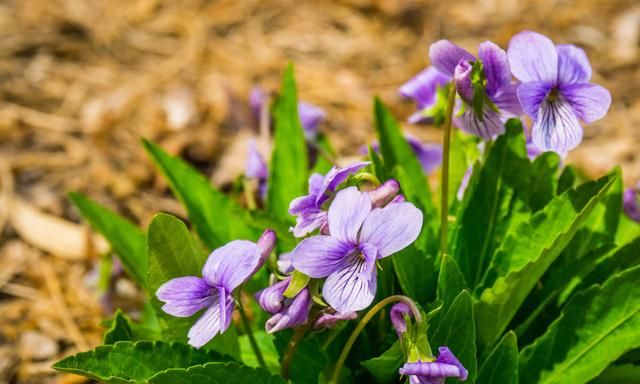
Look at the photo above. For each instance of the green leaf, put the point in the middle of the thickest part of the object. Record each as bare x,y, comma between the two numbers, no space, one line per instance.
450,282
415,272
464,152
619,374
289,160
265,343
217,218
501,366
384,368
526,254
122,328
309,359
544,182
324,152
488,203
216,373
126,239
174,252
568,179
397,153
129,362
595,328
457,331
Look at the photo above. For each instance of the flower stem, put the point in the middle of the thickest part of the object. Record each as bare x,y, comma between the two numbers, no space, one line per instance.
287,358
367,317
247,328
444,185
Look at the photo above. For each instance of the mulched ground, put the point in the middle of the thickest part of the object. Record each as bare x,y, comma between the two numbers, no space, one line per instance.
82,81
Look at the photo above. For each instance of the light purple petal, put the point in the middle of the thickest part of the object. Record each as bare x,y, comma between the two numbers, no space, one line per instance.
464,183
270,299
490,126
211,322
631,203
462,79
397,316
430,369
422,87
557,128
285,265
429,155
302,204
310,118
573,65
296,313
506,99
384,193
266,242
589,101
335,177
232,264
346,214
319,256
392,228
447,357
353,287
184,296
445,55
533,57
496,66
256,167
330,319
309,221
257,98
531,96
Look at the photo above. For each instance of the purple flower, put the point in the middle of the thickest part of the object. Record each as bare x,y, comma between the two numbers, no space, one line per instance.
308,208
435,372
287,313
256,167
492,84
330,318
384,193
226,269
285,266
429,154
631,203
423,90
555,90
397,314
359,236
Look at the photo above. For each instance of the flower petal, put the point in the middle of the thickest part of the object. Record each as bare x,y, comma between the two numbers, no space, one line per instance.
430,369
184,296
319,256
447,357
462,79
573,65
490,126
631,203
397,317
533,57
506,99
211,322
256,167
557,128
310,118
296,313
589,101
270,299
330,319
496,66
429,155
392,228
335,177
309,221
232,264
422,87
346,214
531,96
445,55
353,287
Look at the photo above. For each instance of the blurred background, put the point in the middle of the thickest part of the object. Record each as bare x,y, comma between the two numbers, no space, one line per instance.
81,82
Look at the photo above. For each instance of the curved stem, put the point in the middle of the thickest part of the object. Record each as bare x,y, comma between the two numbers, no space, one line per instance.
367,317
444,185
252,340
287,358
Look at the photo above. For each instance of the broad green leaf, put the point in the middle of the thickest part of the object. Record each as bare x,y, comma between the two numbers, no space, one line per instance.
595,328
457,331
397,153
464,152
268,350
567,179
309,359
134,362
126,239
174,252
619,374
385,367
488,203
217,373
501,366
544,182
122,328
289,160
450,281
526,254
216,218
416,273
323,152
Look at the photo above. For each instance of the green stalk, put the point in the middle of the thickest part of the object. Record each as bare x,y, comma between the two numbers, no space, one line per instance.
247,328
367,317
444,185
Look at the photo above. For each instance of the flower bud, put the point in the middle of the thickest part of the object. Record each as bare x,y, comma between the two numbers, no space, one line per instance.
384,194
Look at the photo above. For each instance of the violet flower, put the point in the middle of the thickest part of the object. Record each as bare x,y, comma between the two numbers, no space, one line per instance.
422,89
226,269
359,236
631,203
256,168
287,312
330,318
484,84
397,315
437,371
555,90
308,208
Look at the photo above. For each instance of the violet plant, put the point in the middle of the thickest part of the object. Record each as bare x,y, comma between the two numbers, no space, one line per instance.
512,266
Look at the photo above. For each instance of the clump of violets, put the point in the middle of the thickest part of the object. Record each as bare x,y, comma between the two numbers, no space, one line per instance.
226,269
631,201
359,235
555,90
